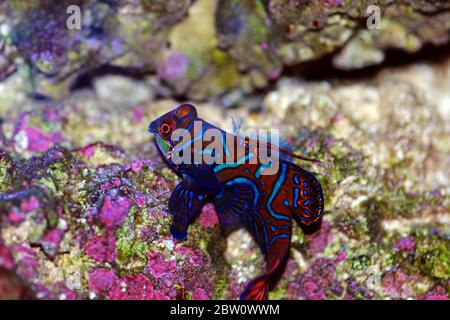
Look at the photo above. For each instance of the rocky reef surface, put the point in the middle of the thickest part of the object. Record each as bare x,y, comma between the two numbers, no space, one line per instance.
84,196
83,192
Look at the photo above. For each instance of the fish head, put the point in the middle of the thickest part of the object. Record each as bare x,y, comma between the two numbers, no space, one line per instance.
164,127
178,118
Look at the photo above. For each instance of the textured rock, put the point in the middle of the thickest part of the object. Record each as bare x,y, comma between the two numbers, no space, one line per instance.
76,231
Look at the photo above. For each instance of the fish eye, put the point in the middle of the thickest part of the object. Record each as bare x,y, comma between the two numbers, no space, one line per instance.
165,128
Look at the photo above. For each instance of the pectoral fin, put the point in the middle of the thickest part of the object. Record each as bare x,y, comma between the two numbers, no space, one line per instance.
234,205
184,204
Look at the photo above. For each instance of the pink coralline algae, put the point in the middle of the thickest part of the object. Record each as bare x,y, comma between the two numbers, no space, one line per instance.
158,295
22,249
155,214
175,66
61,292
316,283
30,204
208,217
140,200
6,259
340,257
274,74
88,151
200,294
102,280
54,237
194,256
15,217
28,266
437,293
183,250
102,248
136,166
116,182
183,267
406,244
355,289
235,287
51,240
333,3
148,234
318,241
105,186
58,290
52,114
395,283
138,114
159,266
114,211
38,141
133,287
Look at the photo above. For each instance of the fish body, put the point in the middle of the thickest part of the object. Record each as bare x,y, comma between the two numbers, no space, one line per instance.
237,183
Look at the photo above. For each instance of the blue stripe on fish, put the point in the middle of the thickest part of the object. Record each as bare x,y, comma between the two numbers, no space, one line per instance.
296,197
278,236
233,165
275,192
261,168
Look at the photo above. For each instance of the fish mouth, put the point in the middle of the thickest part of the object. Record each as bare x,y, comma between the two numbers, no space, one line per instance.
153,127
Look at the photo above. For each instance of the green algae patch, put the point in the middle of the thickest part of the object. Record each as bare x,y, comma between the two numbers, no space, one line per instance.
431,256
5,174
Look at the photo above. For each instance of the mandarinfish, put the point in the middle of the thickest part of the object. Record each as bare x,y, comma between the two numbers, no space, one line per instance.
244,189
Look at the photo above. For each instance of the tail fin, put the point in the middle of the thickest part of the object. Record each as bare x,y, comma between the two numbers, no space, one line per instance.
257,289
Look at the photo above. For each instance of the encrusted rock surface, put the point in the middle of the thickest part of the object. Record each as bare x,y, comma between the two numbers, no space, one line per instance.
84,196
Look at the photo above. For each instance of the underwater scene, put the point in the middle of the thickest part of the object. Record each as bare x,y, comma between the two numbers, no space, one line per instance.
346,197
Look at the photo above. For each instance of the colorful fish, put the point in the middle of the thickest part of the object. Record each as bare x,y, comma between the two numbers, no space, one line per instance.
239,189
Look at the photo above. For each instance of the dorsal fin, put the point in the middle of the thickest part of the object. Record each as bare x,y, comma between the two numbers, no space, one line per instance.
281,150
